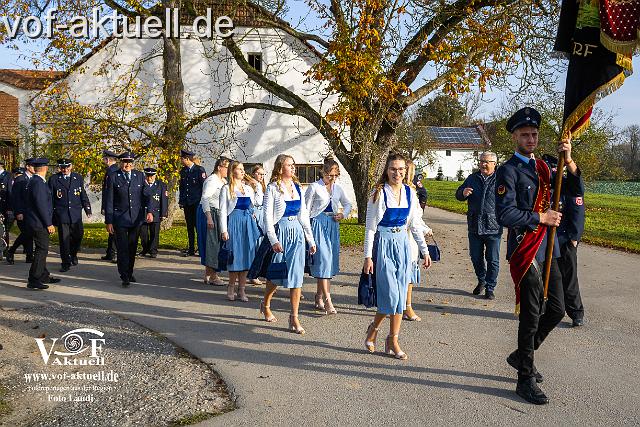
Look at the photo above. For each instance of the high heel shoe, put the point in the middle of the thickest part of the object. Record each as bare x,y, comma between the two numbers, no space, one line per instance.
263,311
328,305
297,329
414,318
231,296
388,349
319,303
371,345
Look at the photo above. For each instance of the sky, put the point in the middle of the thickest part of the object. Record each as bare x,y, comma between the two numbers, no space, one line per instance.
624,104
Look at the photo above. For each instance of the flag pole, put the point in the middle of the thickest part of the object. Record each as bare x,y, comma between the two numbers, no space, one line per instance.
552,230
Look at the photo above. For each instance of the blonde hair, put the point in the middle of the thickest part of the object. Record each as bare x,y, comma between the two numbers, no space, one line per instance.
411,173
276,173
383,177
232,181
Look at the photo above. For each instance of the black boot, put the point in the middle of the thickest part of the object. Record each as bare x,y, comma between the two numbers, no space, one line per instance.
514,361
478,289
10,259
528,389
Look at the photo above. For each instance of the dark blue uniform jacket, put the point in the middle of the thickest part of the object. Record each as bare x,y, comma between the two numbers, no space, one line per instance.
158,200
6,183
38,208
516,189
69,198
111,169
125,202
19,193
191,181
572,223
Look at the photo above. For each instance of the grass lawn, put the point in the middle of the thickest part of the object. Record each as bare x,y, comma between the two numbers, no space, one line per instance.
612,220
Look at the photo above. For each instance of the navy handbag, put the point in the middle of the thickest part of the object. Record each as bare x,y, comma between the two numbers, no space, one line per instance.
277,270
225,257
434,251
367,290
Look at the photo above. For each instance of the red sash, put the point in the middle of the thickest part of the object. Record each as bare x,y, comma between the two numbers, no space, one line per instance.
525,252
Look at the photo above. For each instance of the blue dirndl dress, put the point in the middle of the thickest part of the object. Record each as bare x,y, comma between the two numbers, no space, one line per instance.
243,235
392,258
326,233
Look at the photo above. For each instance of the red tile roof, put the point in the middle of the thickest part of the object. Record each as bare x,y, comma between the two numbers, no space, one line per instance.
29,79
8,117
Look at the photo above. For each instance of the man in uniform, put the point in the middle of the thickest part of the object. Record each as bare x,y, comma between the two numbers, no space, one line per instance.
38,220
109,160
6,213
69,199
158,207
569,234
126,199
18,195
192,178
523,194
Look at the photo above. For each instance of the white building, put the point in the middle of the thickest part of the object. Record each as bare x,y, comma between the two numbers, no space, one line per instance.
454,149
212,79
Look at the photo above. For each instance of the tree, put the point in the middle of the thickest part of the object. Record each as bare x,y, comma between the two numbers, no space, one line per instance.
627,151
373,58
442,110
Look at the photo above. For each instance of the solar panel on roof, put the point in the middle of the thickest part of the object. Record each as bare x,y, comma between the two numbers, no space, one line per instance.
455,135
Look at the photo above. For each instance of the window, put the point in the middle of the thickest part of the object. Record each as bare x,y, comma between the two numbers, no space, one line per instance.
255,60
249,166
447,153
475,154
308,173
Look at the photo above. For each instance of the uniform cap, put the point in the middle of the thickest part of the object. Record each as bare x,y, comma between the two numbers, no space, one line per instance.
127,155
18,170
40,161
187,153
524,117
29,161
109,153
150,171
64,162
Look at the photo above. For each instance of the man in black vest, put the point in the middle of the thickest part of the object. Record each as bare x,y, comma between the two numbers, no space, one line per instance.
38,220
69,199
158,207
126,200
18,195
192,178
109,160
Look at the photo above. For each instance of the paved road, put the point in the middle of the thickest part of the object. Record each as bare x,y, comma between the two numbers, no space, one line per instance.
456,370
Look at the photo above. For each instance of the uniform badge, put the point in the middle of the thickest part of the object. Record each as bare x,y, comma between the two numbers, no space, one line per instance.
59,194
156,197
501,190
579,201
77,191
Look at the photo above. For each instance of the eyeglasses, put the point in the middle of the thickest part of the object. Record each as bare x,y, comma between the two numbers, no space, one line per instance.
487,161
399,170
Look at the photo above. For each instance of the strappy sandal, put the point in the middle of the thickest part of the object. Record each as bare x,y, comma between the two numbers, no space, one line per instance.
319,305
263,311
414,318
329,308
293,328
388,349
371,345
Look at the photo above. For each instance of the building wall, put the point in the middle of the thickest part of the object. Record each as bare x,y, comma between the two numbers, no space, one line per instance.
23,98
212,79
459,159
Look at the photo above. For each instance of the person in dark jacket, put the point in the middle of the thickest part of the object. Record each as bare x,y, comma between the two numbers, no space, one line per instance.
126,200
69,199
484,231
109,160
38,220
568,234
158,206
192,178
6,212
18,194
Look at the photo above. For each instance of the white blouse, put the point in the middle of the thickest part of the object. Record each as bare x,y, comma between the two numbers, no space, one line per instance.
275,199
259,195
228,204
376,210
211,192
318,198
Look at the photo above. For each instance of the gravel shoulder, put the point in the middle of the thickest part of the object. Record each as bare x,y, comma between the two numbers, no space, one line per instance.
144,378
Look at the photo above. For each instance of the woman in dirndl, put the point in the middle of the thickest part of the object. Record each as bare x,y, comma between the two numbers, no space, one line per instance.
287,226
256,180
238,229
409,314
323,198
390,211
207,222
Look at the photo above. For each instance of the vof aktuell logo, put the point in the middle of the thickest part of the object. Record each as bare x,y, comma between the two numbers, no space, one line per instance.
80,351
